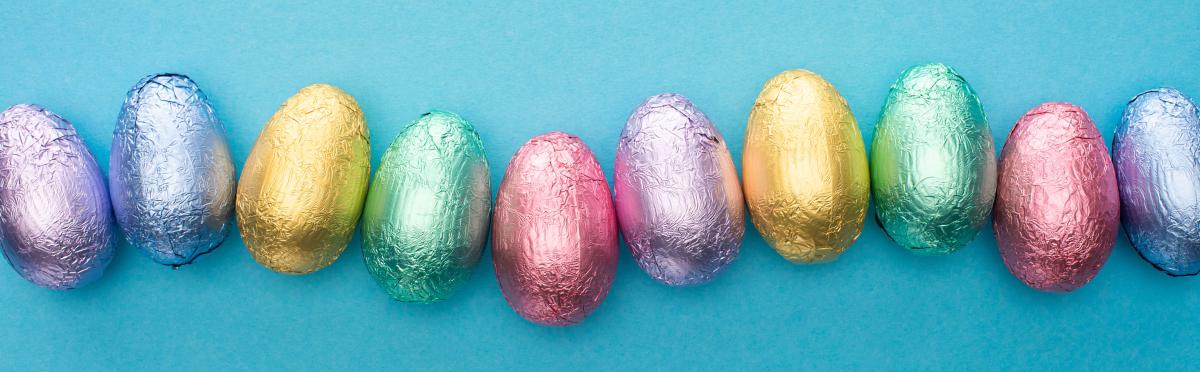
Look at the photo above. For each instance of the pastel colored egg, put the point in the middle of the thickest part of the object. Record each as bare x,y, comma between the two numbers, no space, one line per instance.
554,231
1057,206
302,188
804,168
933,162
56,226
170,172
678,200
426,217
1156,151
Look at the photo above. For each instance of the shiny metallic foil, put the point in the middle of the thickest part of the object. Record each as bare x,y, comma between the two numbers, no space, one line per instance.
303,186
933,162
1057,207
554,232
804,168
170,172
1157,155
678,200
426,217
56,226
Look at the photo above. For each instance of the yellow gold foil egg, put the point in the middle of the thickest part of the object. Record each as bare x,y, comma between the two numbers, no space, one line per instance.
302,188
804,167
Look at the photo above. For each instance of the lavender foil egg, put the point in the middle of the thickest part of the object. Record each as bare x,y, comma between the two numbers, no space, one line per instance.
678,199
170,171
1057,208
1156,151
56,227
554,231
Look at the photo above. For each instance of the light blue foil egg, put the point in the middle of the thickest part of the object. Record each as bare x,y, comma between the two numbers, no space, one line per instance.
1156,151
170,172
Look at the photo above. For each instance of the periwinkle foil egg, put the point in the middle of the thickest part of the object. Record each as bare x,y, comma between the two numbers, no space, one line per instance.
302,188
56,226
1156,151
426,216
933,162
678,200
1057,207
170,172
554,231
804,168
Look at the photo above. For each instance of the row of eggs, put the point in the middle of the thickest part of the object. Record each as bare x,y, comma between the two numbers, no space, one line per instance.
678,200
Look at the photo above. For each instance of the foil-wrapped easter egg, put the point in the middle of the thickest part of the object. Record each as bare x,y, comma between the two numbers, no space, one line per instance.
678,200
56,225
554,231
1057,207
804,168
1156,151
933,162
170,173
426,217
302,188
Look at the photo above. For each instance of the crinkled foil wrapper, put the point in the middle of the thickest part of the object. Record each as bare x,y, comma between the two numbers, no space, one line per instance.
1057,206
426,217
933,162
56,226
1156,151
554,232
170,172
678,199
804,168
302,188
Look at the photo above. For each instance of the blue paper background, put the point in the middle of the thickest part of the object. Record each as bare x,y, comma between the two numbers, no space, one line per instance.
517,70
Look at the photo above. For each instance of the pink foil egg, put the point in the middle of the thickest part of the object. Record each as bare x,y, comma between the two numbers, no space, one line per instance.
554,231
1057,207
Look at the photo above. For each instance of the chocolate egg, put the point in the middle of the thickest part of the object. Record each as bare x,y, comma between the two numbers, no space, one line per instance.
1157,155
302,187
56,226
804,168
933,162
678,200
1057,207
554,232
170,172
426,217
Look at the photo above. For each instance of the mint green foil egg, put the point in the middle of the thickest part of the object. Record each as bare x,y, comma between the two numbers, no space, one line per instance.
426,217
933,162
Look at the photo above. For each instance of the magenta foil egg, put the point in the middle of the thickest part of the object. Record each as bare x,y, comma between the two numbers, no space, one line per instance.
554,232
678,199
1057,207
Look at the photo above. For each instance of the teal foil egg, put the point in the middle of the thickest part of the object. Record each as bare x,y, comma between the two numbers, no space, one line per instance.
426,215
933,162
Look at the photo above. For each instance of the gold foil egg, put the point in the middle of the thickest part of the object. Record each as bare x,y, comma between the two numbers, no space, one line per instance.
302,188
804,167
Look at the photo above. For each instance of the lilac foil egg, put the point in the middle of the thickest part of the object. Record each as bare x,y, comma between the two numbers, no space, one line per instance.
678,199
56,226
1156,151
554,232
1057,209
